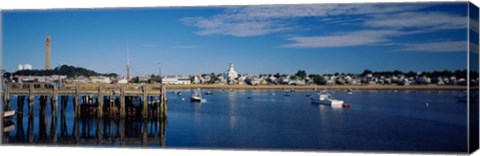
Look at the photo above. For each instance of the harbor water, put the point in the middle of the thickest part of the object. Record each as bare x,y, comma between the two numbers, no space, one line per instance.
423,121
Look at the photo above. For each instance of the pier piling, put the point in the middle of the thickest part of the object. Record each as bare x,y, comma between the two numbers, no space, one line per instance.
55,101
77,101
122,101
31,100
145,103
100,102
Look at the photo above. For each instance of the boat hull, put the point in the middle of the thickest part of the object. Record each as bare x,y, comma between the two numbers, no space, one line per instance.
328,102
196,99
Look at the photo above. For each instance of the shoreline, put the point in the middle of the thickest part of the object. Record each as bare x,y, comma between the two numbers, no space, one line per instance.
281,87
317,87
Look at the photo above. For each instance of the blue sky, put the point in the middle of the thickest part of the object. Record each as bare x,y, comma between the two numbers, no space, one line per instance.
257,39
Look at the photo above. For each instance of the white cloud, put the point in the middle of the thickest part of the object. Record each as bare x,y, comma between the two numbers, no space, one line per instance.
381,23
367,37
419,20
443,46
268,19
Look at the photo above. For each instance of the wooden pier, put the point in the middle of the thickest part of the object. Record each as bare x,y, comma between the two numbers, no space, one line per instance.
113,100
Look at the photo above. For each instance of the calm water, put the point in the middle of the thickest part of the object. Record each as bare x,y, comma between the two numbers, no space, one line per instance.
378,121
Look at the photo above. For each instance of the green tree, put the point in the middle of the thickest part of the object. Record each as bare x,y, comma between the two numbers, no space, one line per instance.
213,78
317,79
366,71
155,78
294,77
135,79
301,74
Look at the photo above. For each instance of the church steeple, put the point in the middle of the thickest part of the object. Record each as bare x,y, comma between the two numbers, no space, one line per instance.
232,67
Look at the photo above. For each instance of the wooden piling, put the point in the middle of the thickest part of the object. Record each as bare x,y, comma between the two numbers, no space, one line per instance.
6,97
19,128
55,101
100,102
77,101
122,101
145,102
31,100
163,101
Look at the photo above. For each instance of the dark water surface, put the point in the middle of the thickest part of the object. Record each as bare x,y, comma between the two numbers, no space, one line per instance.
252,119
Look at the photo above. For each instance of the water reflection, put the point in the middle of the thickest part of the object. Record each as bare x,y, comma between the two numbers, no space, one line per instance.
89,131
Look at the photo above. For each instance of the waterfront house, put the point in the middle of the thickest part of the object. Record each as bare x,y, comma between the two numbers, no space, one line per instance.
177,80
100,79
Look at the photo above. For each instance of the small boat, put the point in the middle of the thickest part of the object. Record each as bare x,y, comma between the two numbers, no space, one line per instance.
196,97
179,93
287,94
326,99
209,93
349,91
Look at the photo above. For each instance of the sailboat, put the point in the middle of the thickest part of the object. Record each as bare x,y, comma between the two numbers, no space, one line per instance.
196,97
125,79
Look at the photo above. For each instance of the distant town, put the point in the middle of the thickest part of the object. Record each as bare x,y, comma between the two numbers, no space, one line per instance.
70,74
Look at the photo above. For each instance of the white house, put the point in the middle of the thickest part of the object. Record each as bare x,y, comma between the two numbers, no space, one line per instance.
175,80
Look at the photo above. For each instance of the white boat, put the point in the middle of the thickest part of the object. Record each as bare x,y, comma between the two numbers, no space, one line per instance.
326,99
196,97
8,114
349,91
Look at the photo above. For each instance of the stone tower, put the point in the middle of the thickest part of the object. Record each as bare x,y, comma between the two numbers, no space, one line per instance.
47,53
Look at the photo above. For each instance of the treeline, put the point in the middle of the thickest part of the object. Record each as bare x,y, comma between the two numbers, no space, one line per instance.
69,71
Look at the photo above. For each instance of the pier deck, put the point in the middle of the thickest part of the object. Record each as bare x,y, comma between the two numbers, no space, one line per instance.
107,97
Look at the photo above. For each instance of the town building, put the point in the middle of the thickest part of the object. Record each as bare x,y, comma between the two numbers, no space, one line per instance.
176,80
231,75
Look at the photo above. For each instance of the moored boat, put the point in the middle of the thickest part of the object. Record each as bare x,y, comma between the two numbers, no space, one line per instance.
209,93
196,97
349,91
326,99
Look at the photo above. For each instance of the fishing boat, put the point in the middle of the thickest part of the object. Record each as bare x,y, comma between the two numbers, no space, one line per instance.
196,97
326,99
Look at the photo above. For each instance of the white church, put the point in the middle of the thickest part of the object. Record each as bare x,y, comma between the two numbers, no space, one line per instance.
231,75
